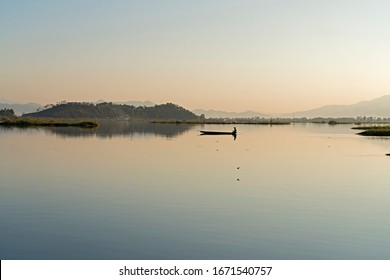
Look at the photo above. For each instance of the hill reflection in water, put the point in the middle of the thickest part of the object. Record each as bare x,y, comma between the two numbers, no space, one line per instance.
113,128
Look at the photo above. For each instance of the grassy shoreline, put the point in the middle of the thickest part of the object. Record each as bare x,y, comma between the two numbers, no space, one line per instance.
374,130
35,122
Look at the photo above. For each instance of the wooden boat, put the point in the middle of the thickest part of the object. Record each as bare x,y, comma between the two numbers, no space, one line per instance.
217,132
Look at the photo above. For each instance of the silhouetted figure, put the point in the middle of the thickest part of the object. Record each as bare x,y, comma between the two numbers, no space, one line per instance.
234,130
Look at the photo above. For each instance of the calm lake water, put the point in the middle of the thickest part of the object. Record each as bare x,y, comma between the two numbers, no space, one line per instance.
143,191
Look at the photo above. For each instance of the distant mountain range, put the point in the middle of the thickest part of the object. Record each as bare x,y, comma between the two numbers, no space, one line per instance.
223,114
20,109
379,107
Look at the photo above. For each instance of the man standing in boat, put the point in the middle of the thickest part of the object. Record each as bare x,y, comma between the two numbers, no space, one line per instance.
234,130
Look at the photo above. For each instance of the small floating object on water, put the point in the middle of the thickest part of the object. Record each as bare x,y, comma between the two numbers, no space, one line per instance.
238,167
238,179
205,132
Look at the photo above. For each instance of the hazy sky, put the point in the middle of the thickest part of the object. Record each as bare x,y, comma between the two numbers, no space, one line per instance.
268,56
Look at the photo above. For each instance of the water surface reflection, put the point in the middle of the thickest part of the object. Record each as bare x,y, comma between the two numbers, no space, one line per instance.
113,128
304,192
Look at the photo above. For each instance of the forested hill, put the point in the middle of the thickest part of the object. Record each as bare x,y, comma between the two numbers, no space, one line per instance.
167,111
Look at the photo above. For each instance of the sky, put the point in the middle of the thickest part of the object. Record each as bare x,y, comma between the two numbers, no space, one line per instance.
268,56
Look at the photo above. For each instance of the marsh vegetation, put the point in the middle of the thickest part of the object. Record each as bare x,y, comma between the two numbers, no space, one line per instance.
375,130
35,122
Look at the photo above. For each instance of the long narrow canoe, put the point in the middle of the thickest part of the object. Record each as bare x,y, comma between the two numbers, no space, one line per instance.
217,133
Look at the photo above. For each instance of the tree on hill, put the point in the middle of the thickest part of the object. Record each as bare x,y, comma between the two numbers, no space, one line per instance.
7,113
